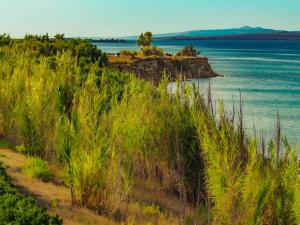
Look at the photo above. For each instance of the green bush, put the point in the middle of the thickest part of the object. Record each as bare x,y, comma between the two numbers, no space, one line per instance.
37,168
18,209
188,50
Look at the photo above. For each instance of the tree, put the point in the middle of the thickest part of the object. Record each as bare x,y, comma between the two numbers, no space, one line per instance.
45,37
188,50
60,36
145,39
5,39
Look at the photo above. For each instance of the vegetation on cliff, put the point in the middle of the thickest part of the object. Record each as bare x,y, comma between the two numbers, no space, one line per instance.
111,132
147,49
188,50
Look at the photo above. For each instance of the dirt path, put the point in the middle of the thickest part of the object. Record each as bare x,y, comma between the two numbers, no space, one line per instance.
56,198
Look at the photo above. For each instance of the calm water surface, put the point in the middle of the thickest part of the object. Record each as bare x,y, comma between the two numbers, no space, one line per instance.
266,72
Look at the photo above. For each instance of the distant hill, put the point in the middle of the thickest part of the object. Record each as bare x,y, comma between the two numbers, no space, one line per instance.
219,32
291,36
213,32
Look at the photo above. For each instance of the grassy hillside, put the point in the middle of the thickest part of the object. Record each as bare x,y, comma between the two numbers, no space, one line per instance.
114,135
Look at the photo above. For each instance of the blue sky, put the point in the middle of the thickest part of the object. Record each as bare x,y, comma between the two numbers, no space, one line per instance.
127,17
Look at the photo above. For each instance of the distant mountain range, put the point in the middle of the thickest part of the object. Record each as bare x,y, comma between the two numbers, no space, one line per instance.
284,35
219,32
242,33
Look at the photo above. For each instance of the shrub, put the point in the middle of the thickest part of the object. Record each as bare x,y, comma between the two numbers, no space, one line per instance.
151,51
21,149
188,50
37,168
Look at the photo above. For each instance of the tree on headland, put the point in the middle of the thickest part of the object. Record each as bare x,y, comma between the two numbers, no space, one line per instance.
188,50
147,49
145,39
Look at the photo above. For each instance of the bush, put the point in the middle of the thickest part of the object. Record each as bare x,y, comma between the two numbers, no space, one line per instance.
18,209
188,50
151,51
37,168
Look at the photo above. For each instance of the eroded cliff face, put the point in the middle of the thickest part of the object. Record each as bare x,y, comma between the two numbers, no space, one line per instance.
152,68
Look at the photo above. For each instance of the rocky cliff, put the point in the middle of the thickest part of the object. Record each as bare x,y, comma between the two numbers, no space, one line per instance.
152,68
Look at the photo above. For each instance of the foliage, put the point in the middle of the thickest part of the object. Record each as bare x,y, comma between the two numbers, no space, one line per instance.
84,52
60,36
17,209
5,39
145,39
37,168
188,50
245,185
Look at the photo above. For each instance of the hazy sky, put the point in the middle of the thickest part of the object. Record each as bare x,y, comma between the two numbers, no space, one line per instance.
127,17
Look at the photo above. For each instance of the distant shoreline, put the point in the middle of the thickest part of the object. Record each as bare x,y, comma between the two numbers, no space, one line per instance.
107,40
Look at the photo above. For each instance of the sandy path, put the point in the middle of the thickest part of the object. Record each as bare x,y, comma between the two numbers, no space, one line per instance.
56,198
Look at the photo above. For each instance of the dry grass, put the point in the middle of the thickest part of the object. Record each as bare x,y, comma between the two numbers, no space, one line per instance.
121,59
143,192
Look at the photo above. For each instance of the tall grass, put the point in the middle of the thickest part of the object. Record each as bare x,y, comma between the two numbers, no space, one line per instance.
245,185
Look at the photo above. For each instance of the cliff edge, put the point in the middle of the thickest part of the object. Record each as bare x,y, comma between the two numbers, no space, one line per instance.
152,68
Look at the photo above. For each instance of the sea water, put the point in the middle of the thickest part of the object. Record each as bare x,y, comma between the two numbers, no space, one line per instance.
267,73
